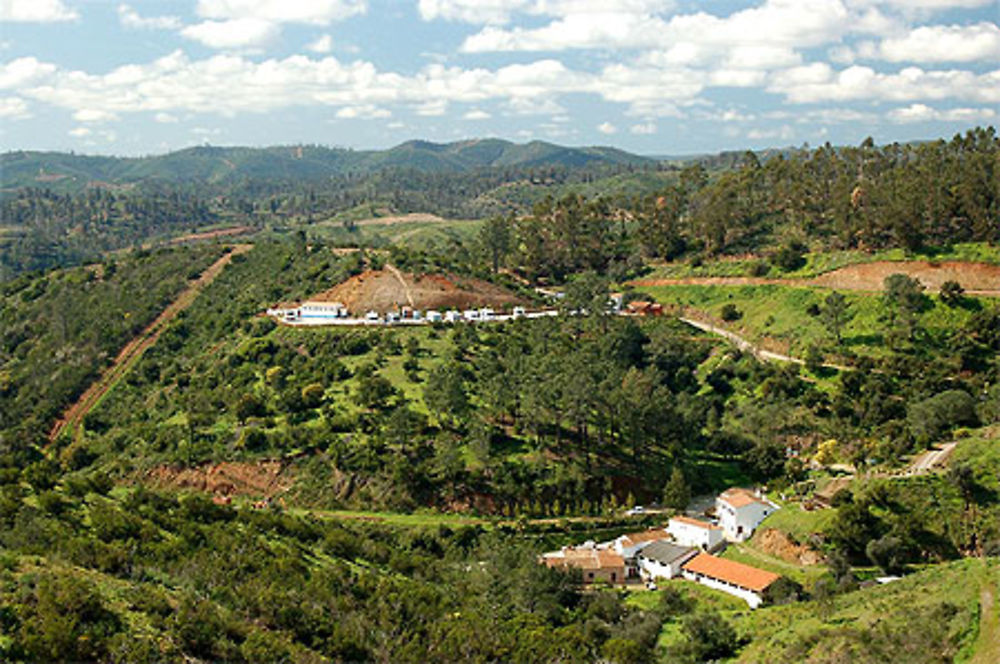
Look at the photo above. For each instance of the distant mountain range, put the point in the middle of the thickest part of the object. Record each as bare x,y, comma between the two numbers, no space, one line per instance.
228,164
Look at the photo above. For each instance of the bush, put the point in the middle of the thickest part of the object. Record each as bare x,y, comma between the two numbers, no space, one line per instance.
790,256
730,313
930,419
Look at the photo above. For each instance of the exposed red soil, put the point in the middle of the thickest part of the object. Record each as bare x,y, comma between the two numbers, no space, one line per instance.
776,543
228,478
975,278
134,349
389,289
208,235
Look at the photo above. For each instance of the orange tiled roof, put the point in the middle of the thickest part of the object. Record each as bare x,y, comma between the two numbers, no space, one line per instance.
645,536
696,522
733,572
737,497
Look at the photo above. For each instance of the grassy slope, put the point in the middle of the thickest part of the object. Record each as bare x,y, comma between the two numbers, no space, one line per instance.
778,314
888,607
826,261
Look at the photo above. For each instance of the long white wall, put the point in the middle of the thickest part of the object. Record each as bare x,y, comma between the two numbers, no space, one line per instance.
750,597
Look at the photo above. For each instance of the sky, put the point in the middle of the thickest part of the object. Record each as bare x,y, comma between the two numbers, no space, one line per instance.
656,77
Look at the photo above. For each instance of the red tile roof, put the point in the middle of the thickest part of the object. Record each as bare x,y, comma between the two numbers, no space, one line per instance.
730,571
737,497
695,522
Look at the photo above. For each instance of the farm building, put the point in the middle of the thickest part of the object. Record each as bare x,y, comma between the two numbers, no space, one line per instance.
694,532
740,511
595,564
629,545
747,583
322,310
663,560
434,316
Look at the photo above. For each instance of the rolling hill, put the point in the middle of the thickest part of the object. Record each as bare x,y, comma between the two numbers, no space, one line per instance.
231,164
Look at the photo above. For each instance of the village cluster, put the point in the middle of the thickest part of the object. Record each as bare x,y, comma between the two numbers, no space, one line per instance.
313,313
684,548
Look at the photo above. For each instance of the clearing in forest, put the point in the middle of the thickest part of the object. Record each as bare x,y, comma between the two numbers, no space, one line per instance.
389,289
134,349
975,278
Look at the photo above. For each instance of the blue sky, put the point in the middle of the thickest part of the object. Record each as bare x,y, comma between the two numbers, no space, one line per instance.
649,76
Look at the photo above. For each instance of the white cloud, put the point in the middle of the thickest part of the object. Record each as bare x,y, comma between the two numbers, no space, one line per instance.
784,132
607,128
92,115
13,108
923,113
774,24
945,43
80,132
315,12
322,45
366,111
477,114
819,82
23,71
433,108
501,11
36,11
165,118
237,33
643,129
130,18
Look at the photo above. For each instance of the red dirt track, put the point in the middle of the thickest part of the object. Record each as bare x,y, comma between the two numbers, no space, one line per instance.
134,349
975,278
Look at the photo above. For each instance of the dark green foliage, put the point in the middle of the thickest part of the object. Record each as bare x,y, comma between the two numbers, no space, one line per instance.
709,637
952,293
676,493
730,313
931,419
790,256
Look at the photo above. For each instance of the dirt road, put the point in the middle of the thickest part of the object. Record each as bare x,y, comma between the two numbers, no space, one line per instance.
134,349
977,278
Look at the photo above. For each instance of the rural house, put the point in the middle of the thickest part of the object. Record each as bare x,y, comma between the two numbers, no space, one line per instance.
628,546
663,560
747,583
740,511
595,564
687,531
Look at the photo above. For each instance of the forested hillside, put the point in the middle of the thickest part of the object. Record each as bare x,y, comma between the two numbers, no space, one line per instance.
252,490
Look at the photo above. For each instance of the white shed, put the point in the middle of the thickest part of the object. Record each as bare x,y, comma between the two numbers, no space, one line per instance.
663,560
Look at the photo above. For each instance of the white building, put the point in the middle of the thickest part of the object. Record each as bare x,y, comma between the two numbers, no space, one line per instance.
629,545
313,310
519,312
372,317
663,559
747,583
694,532
471,315
433,316
452,316
740,511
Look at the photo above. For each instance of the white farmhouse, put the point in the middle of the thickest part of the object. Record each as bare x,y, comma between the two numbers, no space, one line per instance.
663,559
434,316
452,316
740,511
695,532
747,583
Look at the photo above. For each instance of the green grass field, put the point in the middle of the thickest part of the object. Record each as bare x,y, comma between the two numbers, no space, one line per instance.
778,315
